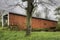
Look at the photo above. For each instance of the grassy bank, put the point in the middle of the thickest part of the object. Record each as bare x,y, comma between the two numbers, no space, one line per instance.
20,35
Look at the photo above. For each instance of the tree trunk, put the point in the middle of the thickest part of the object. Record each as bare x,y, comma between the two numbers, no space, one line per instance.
28,31
29,16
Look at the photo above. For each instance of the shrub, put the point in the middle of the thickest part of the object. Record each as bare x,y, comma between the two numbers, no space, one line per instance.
0,23
51,29
40,29
58,27
13,27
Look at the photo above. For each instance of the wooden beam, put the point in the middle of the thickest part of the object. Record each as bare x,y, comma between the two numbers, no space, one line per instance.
2,21
8,19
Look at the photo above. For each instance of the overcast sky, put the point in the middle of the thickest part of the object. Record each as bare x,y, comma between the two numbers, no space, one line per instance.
10,5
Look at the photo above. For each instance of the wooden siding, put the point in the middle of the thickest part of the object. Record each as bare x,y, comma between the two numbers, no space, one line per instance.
36,23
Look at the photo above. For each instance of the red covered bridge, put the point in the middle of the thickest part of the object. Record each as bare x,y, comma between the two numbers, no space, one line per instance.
20,20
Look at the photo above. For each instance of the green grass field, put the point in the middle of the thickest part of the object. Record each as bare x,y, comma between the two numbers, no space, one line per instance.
20,35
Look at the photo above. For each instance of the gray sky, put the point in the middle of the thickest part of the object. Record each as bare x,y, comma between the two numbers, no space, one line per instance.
10,5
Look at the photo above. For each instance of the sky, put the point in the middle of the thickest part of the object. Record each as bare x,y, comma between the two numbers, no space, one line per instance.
40,9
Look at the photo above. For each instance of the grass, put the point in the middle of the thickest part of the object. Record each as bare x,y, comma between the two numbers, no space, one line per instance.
20,35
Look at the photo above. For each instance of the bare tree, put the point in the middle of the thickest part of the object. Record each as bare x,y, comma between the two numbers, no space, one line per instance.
29,16
46,12
29,13
12,6
58,12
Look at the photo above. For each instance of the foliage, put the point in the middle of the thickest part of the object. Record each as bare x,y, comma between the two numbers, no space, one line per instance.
0,24
58,27
0,21
57,9
13,27
40,29
45,29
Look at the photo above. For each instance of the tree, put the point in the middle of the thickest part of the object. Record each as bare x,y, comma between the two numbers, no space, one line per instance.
29,16
29,11
58,12
46,12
